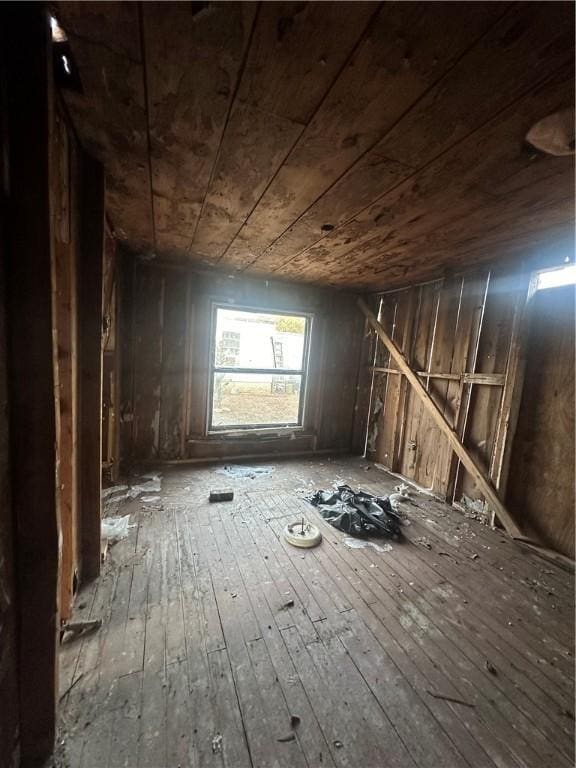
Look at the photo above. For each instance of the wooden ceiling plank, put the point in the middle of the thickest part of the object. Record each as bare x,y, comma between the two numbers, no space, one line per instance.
286,77
455,178
521,243
493,223
193,62
406,50
520,51
255,146
427,256
509,47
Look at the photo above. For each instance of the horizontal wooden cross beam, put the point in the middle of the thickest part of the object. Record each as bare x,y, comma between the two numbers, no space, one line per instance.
489,379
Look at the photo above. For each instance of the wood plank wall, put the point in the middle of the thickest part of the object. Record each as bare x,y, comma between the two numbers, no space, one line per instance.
461,333
542,487
457,332
164,321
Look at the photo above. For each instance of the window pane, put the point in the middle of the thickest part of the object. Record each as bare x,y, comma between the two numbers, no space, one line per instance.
259,340
255,399
554,278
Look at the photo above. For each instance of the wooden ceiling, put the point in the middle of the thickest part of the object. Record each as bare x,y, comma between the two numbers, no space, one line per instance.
358,144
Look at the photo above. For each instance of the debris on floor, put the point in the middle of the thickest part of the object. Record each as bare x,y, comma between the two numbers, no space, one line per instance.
217,744
226,494
151,484
115,528
241,472
452,699
302,534
490,667
358,513
401,494
474,509
103,549
419,489
67,691
75,629
113,496
113,490
365,544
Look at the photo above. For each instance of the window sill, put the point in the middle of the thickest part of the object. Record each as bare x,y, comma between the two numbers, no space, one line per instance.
271,433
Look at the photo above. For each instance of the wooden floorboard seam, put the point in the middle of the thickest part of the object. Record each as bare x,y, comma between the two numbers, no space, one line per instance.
202,658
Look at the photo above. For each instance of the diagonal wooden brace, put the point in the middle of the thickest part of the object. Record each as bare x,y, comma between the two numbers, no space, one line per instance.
465,457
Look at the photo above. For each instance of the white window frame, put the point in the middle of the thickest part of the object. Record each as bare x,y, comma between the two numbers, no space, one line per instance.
302,372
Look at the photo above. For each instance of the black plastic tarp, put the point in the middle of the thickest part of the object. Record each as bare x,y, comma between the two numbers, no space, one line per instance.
358,513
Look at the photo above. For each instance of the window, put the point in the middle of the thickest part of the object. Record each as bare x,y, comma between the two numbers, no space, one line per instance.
259,362
554,278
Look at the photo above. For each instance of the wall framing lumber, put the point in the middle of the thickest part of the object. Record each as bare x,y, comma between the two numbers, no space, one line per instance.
402,404
489,379
65,355
440,421
513,387
31,380
90,272
468,333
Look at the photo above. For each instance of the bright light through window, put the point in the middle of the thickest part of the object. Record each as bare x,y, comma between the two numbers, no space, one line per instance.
258,369
554,278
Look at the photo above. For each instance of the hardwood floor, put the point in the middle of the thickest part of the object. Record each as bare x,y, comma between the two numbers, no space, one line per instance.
453,648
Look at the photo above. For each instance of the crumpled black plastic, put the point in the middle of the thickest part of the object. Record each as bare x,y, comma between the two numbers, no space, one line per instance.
358,513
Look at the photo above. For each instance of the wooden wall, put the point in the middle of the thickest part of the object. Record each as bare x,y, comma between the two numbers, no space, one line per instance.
541,489
165,338
41,176
468,337
457,332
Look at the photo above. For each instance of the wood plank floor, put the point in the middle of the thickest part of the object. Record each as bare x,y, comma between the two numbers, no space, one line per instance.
203,660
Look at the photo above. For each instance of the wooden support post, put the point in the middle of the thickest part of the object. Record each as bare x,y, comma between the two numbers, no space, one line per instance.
408,343
514,384
65,361
125,413
28,62
90,265
467,460
363,389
